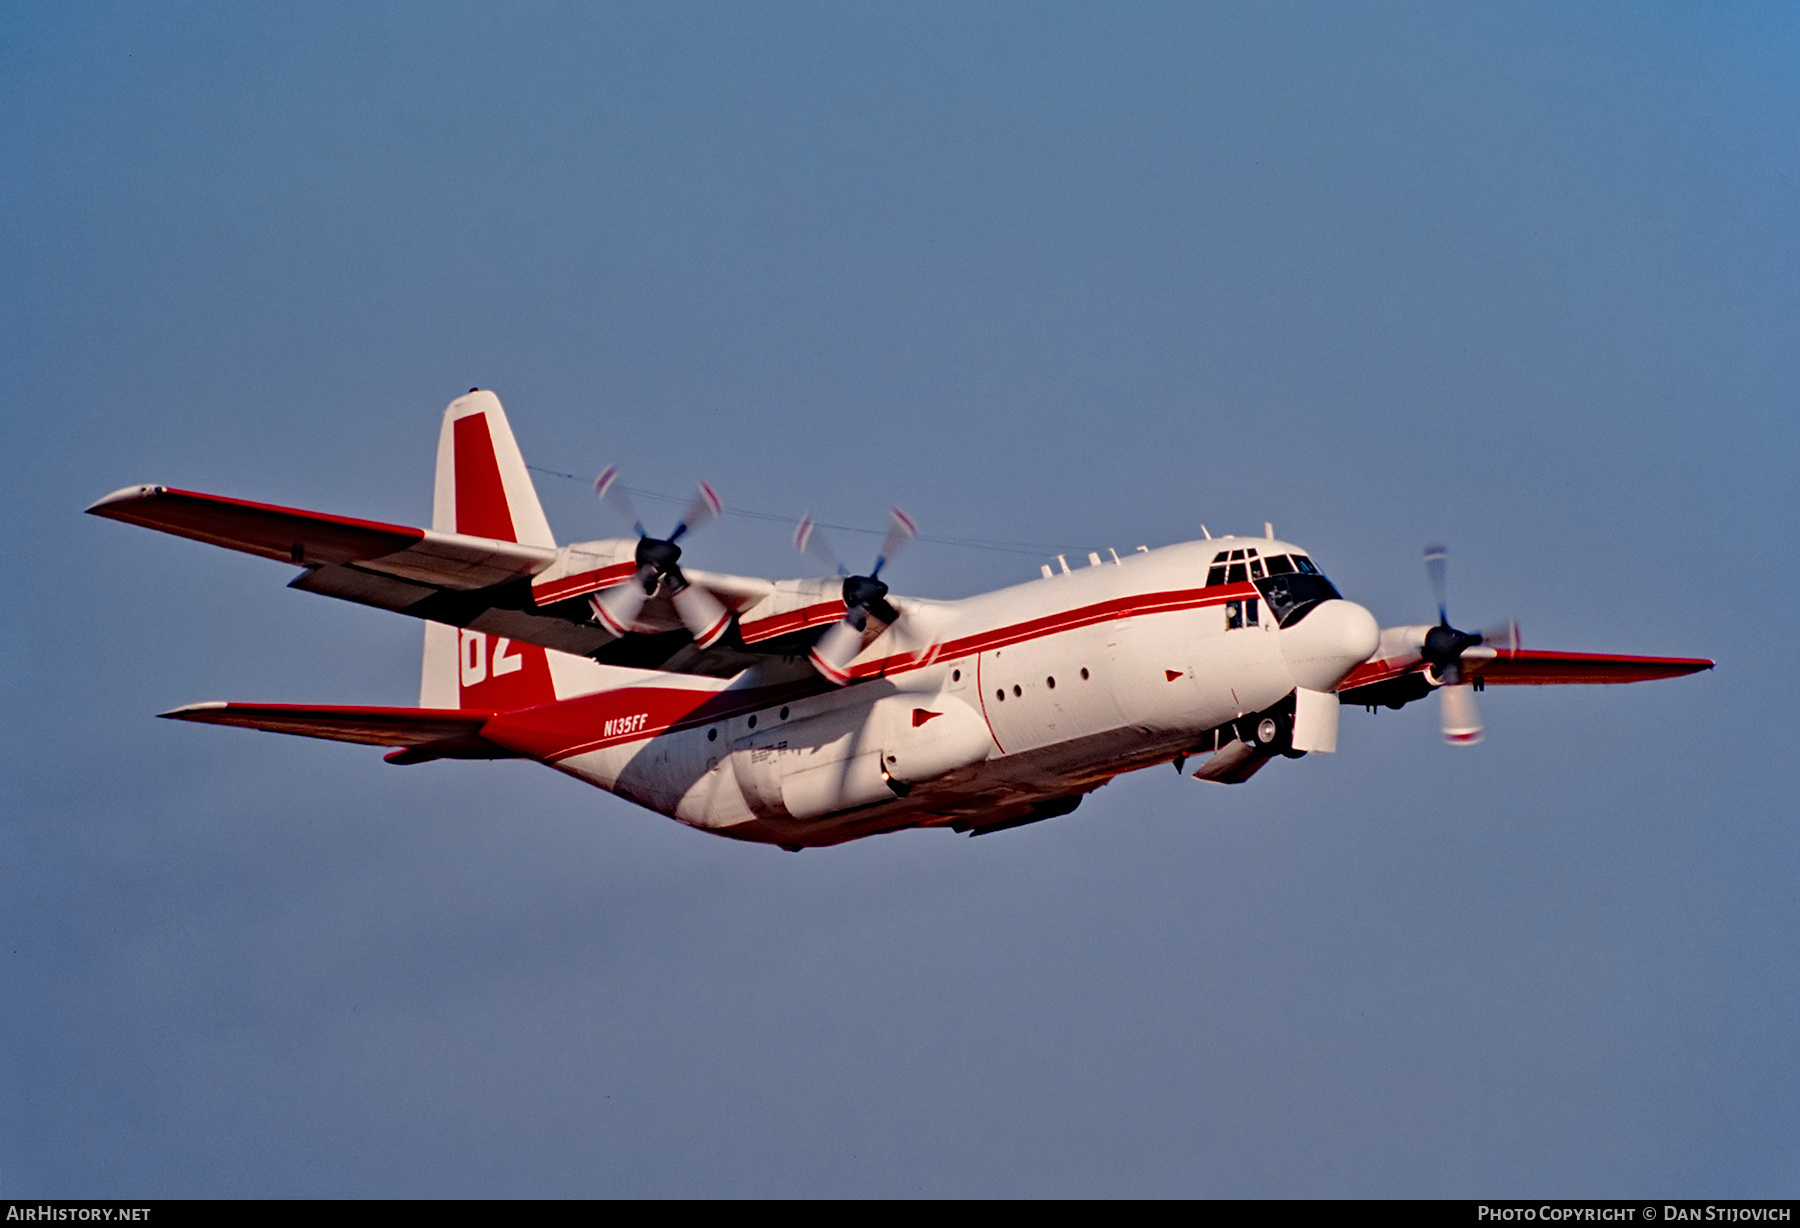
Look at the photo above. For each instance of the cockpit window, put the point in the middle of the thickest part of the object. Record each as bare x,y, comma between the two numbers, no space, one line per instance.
1293,592
1242,567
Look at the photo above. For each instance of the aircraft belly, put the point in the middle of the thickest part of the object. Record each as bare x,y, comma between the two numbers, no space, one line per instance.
672,774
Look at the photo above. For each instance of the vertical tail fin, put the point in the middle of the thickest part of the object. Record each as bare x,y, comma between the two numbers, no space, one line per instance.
483,487
484,490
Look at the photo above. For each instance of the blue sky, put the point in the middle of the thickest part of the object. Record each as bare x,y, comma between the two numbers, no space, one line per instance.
1523,280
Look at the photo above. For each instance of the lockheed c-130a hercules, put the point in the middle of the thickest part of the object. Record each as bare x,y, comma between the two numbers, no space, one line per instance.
813,711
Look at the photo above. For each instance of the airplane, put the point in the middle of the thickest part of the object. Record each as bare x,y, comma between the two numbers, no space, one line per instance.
809,712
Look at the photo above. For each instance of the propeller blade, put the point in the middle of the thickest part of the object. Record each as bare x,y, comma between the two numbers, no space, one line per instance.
706,506
617,608
901,529
809,541
703,614
865,597
1457,715
1503,636
609,492
839,646
1435,566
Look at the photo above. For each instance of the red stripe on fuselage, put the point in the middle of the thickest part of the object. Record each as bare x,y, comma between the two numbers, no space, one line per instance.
1068,620
576,726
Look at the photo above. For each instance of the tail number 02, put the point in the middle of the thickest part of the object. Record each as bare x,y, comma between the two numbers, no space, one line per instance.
474,657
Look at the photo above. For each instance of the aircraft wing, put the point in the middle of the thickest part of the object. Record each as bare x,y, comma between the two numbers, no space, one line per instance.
534,594
1533,667
1395,682
317,539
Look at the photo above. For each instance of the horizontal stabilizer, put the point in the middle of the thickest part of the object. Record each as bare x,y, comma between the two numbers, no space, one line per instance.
423,733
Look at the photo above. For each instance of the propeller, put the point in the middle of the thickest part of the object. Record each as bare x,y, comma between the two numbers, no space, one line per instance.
703,614
1443,652
865,597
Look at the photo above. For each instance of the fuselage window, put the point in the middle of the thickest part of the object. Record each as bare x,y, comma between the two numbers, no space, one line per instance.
753,722
1051,683
1016,690
1000,695
1241,613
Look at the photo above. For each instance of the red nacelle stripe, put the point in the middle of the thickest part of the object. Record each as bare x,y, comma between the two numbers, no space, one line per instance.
584,582
768,628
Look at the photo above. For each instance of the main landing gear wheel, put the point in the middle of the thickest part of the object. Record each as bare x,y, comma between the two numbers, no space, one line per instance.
1274,734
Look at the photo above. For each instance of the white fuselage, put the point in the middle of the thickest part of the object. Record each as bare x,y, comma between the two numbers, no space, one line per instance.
965,712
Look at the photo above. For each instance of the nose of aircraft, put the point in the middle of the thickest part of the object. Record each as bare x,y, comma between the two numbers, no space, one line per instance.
1333,639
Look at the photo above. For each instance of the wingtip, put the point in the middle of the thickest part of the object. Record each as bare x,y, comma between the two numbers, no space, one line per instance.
127,494
189,712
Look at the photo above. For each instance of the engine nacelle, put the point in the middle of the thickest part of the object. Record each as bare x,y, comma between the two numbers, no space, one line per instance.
857,755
